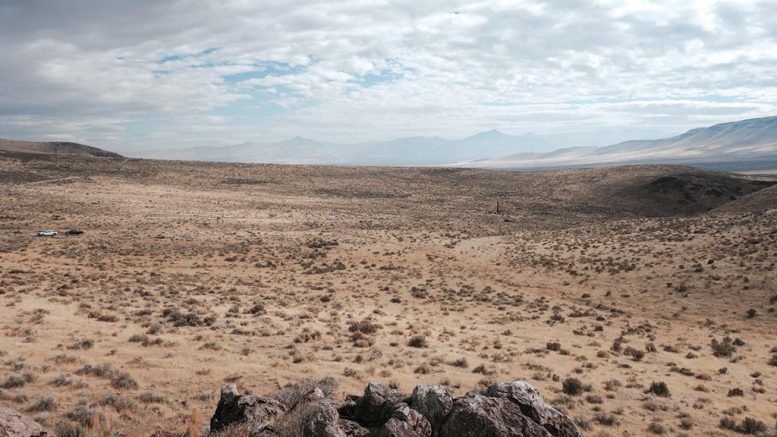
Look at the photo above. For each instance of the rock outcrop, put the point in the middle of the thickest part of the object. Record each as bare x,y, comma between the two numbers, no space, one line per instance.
434,402
501,410
322,420
375,407
406,422
532,405
234,408
14,424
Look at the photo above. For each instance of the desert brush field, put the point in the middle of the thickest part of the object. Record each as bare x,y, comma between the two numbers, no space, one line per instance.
638,300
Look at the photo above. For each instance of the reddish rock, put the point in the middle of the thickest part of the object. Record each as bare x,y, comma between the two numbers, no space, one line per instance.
14,424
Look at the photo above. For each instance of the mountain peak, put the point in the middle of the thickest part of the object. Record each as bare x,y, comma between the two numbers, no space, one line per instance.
491,135
298,140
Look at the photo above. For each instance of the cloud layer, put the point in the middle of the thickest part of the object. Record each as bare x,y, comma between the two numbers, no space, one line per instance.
155,74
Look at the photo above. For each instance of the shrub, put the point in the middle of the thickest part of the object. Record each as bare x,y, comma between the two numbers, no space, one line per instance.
138,338
572,387
483,370
365,327
64,359
418,341
14,381
181,319
70,429
423,369
257,310
81,344
18,380
636,354
148,397
118,403
593,399
723,349
86,416
123,380
735,392
61,381
100,371
154,329
462,363
659,389
747,426
606,419
751,426
656,428
44,404
612,385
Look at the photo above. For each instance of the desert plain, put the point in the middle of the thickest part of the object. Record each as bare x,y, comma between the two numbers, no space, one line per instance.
639,300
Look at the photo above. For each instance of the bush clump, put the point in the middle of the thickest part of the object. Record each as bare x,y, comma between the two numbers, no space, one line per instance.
659,389
418,341
44,404
723,349
70,429
365,326
747,426
573,387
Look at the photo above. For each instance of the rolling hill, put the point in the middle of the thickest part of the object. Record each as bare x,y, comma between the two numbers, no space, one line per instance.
54,148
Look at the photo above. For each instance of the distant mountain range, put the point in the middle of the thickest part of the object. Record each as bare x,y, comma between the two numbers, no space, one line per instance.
742,141
403,151
740,145
413,151
720,145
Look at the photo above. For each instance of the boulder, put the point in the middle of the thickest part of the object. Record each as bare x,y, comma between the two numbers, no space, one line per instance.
235,408
14,424
322,420
533,406
260,430
314,395
434,402
375,407
476,415
405,422
353,429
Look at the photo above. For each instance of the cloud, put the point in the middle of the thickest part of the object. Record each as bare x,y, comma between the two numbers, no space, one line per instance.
154,74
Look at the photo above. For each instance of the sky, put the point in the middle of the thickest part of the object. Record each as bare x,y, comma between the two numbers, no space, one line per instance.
155,74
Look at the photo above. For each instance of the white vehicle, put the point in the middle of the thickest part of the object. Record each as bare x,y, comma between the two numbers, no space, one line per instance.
47,233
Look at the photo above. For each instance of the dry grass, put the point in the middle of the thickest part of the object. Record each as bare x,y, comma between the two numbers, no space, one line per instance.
402,276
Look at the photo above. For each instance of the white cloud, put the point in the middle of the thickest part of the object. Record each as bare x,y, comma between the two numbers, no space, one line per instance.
376,69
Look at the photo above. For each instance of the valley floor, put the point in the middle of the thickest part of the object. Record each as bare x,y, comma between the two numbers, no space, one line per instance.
189,276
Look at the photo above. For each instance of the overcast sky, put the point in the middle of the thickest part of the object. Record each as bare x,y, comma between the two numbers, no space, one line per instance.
144,74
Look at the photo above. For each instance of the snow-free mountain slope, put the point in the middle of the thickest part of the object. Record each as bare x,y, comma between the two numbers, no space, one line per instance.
727,142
